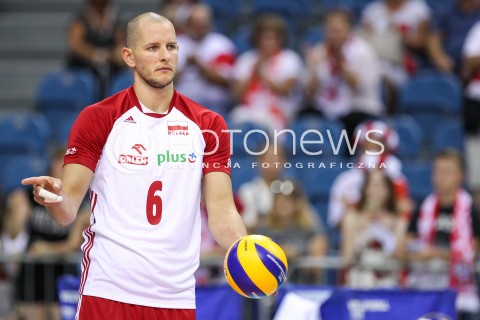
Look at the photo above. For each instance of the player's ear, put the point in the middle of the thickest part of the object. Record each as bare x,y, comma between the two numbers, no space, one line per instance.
127,55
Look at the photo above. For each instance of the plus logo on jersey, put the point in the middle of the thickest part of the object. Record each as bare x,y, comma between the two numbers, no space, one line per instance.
134,159
169,157
177,128
192,157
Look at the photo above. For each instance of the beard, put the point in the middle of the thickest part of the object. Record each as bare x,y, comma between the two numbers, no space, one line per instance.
157,84
154,83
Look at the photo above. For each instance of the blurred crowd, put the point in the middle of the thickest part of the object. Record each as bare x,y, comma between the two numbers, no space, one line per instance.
350,68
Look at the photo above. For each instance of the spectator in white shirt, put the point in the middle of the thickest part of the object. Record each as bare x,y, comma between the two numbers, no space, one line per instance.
346,189
267,78
344,73
404,21
205,62
471,75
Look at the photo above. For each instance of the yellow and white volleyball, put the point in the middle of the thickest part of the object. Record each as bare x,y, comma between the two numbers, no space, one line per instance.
255,266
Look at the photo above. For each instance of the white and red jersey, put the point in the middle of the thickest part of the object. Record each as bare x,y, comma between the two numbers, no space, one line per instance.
142,246
259,99
471,48
335,97
405,20
214,51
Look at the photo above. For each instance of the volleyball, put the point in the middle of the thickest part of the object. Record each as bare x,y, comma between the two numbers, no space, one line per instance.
255,266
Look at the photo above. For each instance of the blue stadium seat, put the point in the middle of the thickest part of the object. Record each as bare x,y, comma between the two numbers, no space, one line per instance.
331,4
62,130
312,36
448,134
419,178
242,170
241,39
410,137
430,97
121,81
440,5
21,167
65,91
225,13
22,134
283,7
432,91
317,184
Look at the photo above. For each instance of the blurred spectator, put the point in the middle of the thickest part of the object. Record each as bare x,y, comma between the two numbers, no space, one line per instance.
345,74
398,31
372,234
267,78
177,12
256,196
13,243
346,189
205,62
71,244
95,38
27,220
449,29
292,224
446,228
471,76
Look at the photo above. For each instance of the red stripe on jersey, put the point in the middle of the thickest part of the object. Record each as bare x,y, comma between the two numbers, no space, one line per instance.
178,128
85,261
86,257
94,202
88,245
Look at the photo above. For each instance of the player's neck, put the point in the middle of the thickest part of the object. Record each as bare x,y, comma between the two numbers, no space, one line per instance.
157,100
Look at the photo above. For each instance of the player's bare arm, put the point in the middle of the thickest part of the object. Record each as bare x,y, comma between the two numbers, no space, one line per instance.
224,221
62,198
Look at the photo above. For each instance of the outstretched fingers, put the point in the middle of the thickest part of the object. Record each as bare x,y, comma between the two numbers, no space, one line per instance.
46,190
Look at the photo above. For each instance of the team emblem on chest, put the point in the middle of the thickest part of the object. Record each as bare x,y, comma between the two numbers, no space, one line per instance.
130,148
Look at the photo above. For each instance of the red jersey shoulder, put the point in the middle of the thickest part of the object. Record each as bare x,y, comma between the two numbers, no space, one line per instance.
90,131
202,116
117,104
104,113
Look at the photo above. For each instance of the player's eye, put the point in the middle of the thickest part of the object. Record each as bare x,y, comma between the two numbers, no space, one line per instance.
171,47
152,48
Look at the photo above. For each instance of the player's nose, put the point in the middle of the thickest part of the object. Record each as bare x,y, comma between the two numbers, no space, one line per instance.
164,54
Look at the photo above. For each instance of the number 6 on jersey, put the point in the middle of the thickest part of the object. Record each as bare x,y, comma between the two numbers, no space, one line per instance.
154,203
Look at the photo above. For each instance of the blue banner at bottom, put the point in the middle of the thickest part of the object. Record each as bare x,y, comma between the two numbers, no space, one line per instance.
345,304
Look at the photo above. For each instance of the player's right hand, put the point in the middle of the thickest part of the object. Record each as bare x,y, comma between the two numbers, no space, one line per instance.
46,190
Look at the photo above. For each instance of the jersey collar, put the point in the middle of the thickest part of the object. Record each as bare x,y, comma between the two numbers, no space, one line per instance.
134,100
